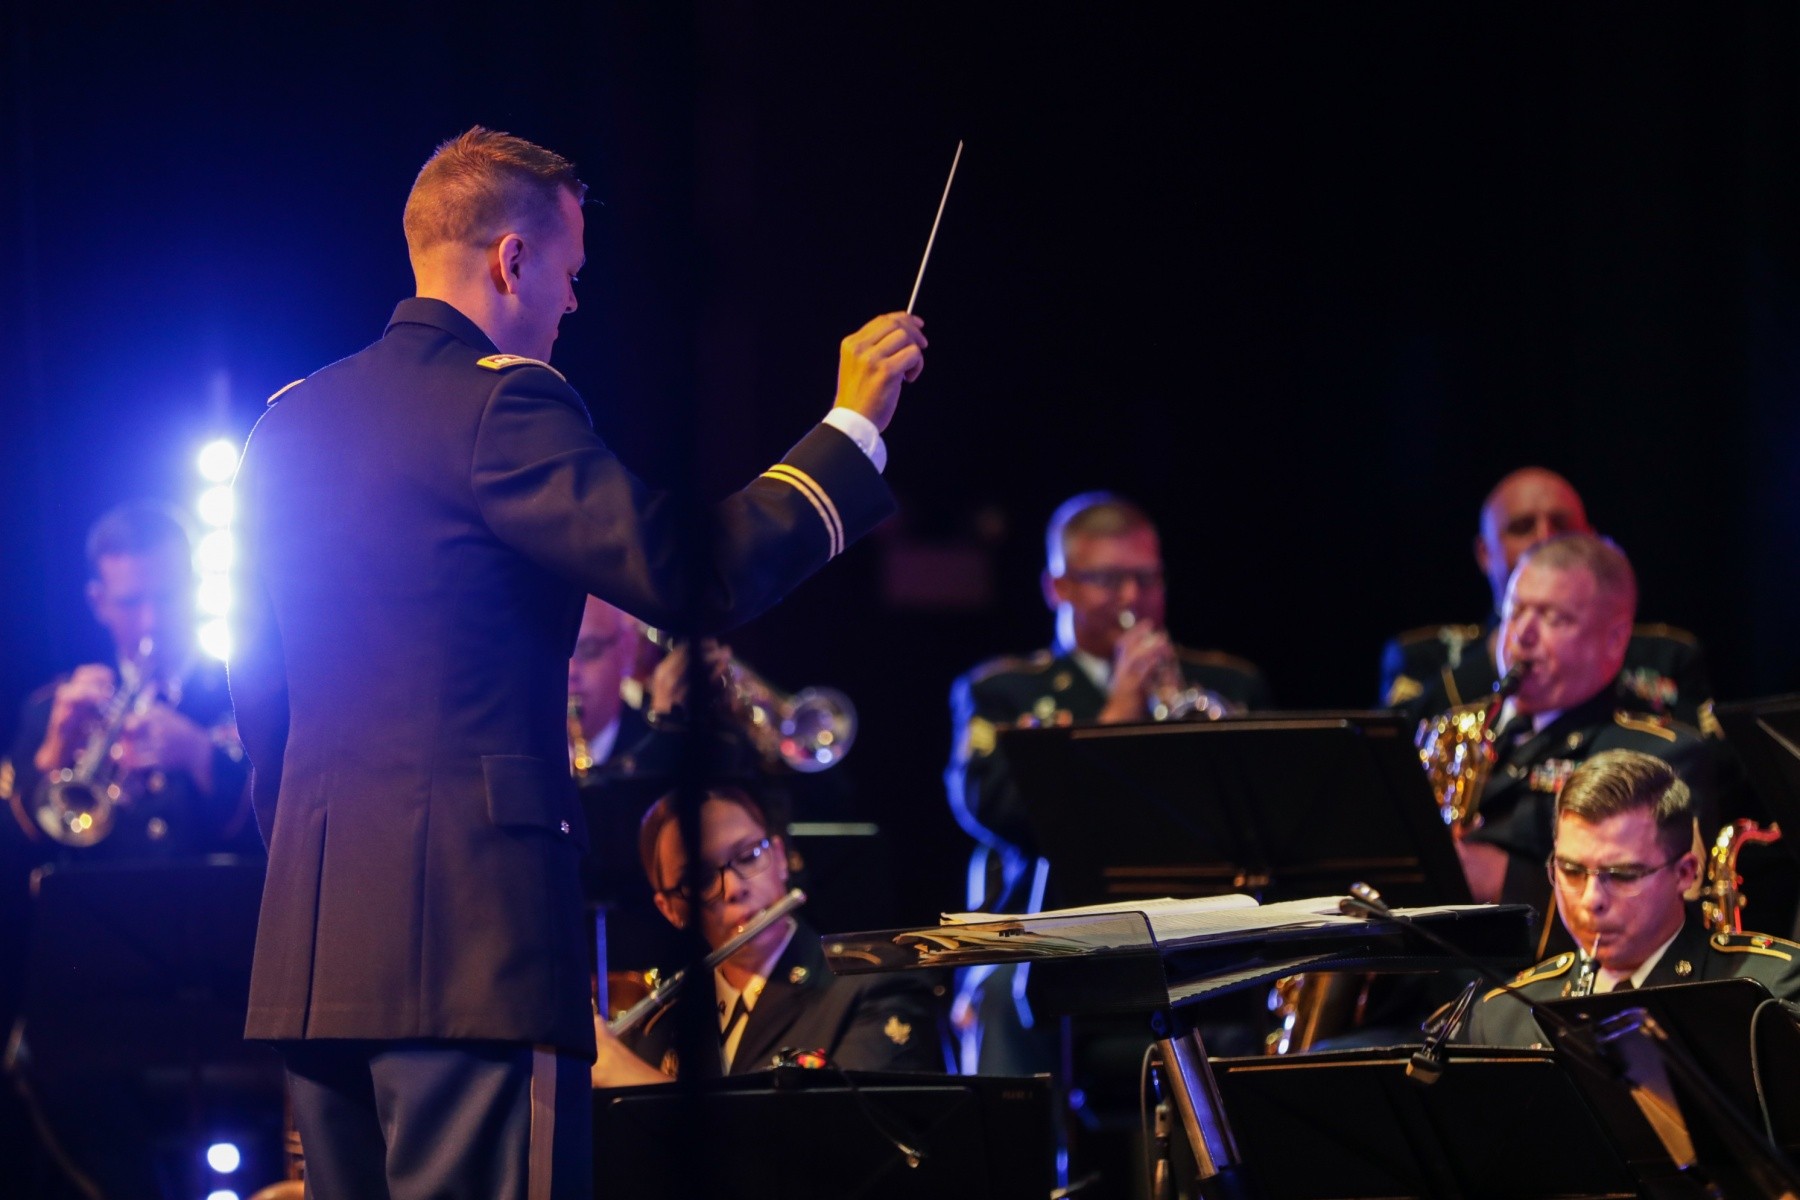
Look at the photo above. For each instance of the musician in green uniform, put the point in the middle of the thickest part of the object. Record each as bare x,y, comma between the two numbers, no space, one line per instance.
1623,860
1567,618
1112,662
1427,670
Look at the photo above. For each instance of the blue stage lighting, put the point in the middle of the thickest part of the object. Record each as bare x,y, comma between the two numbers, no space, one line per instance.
224,1158
214,505
214,555
215,638
218,460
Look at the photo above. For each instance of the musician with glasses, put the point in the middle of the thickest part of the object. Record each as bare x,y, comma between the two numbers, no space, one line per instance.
1622,862
1113,661
776,993
1566,620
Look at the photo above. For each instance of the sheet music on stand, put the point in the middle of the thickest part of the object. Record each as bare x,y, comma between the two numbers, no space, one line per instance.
1147,955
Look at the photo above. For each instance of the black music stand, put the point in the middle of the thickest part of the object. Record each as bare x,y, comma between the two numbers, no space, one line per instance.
1350,1124
1766,735
1711,1022
1116,962
132,1026
823,1134
1283,806
142,966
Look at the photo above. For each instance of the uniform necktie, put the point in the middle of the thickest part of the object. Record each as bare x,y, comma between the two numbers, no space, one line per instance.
732,1032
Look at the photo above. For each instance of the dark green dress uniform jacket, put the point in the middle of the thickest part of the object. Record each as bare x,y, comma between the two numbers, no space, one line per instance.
1045,688
885,1022
1518,805
1693,957
418,526
1426,671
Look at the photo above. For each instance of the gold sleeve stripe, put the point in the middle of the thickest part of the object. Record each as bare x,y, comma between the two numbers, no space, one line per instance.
809,487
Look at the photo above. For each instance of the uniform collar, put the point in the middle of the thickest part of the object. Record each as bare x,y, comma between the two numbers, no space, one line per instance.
421,310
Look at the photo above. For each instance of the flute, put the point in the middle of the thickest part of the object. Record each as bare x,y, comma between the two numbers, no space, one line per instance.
665,991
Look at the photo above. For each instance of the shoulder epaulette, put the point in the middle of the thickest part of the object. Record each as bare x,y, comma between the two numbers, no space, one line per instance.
1754,943
1438,633
1217,658
1644,724
503,362
1036,662
1548,969
1674,633
284,391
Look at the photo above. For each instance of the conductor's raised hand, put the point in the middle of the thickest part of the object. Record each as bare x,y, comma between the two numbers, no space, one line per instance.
875,360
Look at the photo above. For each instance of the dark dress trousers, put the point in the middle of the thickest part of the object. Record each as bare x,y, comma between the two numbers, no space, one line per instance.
418,525
1695,956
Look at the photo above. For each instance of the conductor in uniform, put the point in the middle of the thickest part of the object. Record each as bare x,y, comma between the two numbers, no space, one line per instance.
419,525
1623,859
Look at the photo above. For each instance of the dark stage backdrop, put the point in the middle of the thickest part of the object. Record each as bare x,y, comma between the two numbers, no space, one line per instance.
1305,281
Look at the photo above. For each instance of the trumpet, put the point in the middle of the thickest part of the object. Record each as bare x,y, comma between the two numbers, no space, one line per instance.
811,730
77,804
1173,698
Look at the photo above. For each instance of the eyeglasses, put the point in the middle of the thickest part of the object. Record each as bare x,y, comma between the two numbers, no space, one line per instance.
1627,879
746,864
1111,579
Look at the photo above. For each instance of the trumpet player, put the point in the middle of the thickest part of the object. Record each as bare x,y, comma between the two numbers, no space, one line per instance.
1565,623
1112,661
173,752
1619,867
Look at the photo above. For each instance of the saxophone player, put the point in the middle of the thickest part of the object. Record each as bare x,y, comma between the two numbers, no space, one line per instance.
1427,670
1621,862
1566,620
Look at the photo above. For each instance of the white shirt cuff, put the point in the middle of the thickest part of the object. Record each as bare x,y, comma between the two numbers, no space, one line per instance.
862,431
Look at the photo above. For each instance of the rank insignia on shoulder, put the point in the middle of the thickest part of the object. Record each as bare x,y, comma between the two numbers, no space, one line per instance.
284,391
798,975
978,739
1683,969
1551,774
1644,723
898,1031
500,362
1404,688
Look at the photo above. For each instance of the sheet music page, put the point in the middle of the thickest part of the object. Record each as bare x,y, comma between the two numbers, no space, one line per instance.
1174,921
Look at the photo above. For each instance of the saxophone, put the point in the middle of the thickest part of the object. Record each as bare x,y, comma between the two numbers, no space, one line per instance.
1721,901
1457,750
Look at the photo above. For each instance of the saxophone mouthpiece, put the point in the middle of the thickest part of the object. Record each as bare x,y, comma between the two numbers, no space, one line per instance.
1514,678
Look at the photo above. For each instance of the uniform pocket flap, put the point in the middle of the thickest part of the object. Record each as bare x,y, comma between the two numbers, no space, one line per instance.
522,790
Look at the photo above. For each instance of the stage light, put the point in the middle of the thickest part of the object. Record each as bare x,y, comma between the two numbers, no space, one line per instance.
215,595
215,638
223,1157
222,1194
218,460
214,555
214,505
